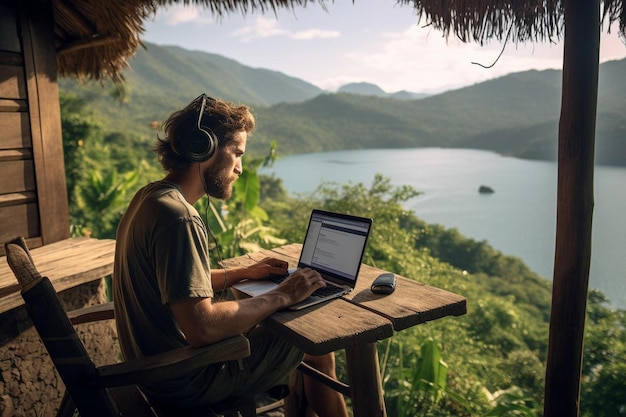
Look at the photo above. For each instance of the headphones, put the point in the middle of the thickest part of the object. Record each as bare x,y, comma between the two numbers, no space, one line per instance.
201,144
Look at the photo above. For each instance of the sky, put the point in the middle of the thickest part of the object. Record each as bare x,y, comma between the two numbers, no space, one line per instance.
372,41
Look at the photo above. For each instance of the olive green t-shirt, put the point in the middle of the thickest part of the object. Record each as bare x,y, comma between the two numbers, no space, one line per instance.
161,256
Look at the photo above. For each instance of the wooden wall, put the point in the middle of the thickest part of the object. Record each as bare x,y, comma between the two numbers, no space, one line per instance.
33,198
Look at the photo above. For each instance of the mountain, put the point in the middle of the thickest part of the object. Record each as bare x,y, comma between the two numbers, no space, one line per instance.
161,79
516,114
368,89
180,73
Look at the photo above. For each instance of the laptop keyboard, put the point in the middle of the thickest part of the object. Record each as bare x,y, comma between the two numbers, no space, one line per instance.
329,289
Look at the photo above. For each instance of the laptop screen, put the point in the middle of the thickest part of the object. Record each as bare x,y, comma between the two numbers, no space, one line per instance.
334,245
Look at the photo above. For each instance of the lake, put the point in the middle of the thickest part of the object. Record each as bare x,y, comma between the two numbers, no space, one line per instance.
518,219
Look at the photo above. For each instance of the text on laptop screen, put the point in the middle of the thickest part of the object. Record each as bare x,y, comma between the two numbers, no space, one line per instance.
334,244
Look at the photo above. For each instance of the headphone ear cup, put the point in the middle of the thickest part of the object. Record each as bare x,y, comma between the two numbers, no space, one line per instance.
201,146
201,143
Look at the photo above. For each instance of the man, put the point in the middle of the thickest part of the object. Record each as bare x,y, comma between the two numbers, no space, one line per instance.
164,287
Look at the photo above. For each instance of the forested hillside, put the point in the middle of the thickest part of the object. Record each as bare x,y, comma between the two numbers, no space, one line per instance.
515,115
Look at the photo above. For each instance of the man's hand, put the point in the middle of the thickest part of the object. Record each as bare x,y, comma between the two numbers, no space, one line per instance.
300,285
268,266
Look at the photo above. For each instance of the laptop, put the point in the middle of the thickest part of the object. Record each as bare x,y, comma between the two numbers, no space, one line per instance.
334,245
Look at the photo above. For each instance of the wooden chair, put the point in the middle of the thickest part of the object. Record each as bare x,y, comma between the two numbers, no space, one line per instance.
112,390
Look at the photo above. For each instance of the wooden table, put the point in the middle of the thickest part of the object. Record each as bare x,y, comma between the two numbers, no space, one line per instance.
356,322
68,263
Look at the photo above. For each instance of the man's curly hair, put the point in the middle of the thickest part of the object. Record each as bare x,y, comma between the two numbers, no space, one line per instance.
223,118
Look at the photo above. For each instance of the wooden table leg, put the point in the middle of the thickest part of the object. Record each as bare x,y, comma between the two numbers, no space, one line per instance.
365,382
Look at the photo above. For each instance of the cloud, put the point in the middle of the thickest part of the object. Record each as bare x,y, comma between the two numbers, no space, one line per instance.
261,28
177,15
265,28
421,59
314,34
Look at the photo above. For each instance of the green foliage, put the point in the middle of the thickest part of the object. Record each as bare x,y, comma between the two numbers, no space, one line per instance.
240,225
79,127
513,402
102,200
603,390
415,381
495,355
473,347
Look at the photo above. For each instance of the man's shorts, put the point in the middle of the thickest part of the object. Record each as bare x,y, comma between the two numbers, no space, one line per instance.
270,363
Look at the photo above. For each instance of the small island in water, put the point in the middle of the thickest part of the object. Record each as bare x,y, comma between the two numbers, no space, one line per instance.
485,189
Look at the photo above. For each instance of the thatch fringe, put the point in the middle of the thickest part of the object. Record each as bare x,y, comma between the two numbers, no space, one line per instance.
81,27
512,20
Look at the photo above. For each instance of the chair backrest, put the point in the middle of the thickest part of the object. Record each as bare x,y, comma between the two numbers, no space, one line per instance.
65,348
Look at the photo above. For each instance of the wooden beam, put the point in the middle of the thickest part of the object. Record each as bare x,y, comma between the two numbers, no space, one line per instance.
574,207
45,122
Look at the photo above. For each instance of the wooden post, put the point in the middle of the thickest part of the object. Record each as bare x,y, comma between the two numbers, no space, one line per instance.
574,207
362,362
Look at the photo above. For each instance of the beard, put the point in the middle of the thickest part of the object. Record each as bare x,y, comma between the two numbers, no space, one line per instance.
218,180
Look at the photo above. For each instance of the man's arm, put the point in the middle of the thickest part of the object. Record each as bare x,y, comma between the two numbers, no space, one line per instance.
204,322
262,269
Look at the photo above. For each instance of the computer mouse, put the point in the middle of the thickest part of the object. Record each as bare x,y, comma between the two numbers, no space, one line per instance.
384,283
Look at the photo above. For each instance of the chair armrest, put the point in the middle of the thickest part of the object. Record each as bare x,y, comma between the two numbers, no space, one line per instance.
170,364
92,313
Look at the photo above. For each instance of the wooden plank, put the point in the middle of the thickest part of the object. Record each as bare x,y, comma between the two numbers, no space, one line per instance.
19,220
15,130
344,325
61,263
12,105
15,199
290,251
11,58
9,38
12,85
45,121
15,154
410,304
18,176
67,263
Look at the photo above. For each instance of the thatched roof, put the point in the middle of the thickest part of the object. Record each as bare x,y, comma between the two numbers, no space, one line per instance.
95,38
515,20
